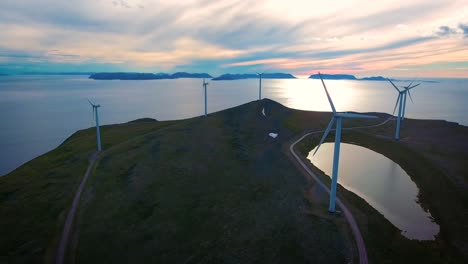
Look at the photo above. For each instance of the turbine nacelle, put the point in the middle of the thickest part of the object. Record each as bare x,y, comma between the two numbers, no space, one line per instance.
259,73
93,105
408,88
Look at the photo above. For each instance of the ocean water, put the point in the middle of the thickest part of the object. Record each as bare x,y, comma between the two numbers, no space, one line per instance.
382,183
37,113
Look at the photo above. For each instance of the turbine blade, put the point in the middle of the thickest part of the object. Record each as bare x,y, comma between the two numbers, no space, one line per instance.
393,85
413,86
398,99
328,95
409,93
409,84
325,134
90,102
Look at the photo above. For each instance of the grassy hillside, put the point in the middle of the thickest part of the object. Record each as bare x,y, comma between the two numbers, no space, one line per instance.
34,198
216,190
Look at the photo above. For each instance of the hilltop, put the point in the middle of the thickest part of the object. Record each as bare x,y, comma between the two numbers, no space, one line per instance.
145,76
229,76
220,189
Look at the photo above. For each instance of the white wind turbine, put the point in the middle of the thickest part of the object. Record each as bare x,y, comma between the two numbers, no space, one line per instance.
408,93
96,117
259,85
204,86
401,99
336,154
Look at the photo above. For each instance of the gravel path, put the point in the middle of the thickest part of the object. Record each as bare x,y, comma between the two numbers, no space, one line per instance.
349,217
71,213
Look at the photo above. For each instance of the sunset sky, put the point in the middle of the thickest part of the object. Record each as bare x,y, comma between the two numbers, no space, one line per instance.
416,38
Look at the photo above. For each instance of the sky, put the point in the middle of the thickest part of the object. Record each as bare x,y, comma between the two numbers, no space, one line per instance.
416,38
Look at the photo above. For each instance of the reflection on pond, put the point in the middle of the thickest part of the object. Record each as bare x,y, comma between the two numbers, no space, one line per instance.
383,184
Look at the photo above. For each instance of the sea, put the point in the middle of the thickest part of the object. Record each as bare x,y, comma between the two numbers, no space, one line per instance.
38,112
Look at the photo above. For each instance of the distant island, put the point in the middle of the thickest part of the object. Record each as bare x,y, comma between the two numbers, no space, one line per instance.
229,76
334,76
346,77
190,75
373,78
145,76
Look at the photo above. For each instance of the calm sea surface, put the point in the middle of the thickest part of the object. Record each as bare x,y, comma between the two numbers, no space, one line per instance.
37,113
382,183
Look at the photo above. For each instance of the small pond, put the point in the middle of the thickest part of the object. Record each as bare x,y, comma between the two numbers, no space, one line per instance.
383,184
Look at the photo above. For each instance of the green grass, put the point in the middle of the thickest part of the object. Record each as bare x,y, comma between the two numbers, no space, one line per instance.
34,198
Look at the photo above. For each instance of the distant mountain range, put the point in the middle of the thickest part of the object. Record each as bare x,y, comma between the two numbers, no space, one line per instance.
346,77
229,76
159,76
373,78
145,76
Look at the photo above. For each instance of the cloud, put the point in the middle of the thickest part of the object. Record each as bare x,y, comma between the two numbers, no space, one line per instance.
121,3
445,31
464,28
230,35
402,26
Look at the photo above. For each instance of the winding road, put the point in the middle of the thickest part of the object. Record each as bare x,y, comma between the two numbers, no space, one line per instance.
349,217
65,237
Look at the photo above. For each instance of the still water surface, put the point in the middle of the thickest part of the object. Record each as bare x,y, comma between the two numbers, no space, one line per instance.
382,183
37,113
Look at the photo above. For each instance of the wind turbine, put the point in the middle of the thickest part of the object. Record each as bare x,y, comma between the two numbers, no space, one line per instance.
336,154
259,85
96,117
401,99
204,86
408,93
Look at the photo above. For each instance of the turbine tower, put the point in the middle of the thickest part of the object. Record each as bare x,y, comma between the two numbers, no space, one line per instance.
96,117
259,85
204,86
338,117
401,103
